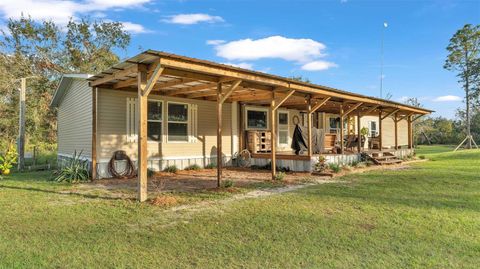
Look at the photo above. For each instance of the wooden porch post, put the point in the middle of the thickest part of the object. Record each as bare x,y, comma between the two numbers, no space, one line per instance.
395,120
359,136
410,132
380,130
221,98
273,129
142,134
309,127
94,134
219,134
341,129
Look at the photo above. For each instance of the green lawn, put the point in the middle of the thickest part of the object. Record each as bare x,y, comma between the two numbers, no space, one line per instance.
427,216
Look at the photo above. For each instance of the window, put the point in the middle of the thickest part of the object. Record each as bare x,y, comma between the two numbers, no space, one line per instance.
283,128
154,121
334,124
373,128
177,122
257,119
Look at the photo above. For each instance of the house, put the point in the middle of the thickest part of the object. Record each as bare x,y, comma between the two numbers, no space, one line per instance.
164,109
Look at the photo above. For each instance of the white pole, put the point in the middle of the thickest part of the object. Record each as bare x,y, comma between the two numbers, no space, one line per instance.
381,61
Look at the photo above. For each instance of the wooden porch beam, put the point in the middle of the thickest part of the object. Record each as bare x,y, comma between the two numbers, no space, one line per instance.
192,89
351,109
282,100
405,117
153,79
116,75
229,92
390,113
370,110
417,117
318,105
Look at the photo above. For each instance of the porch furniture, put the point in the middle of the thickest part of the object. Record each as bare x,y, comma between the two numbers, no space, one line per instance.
259,141
352,141
374,142
330,142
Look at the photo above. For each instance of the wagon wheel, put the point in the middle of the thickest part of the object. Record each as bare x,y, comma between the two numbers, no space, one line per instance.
244,158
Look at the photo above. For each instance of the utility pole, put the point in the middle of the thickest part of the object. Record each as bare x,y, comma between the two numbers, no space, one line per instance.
21,131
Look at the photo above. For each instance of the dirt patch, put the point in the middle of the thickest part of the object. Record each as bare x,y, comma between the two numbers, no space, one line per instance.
165,201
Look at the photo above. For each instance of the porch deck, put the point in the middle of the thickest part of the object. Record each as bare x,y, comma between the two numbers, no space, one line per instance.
290,160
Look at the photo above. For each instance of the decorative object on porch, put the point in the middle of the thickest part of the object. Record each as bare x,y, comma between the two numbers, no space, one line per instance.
300,136
259,141
128,172
243,158
364,132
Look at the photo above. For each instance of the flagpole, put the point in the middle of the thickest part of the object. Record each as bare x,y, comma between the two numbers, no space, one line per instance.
381,61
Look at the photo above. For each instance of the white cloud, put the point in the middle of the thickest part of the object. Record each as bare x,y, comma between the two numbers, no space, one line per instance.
303,51
62,11
241,65
447,98
290,49
188,19
215,42
318,66
134,28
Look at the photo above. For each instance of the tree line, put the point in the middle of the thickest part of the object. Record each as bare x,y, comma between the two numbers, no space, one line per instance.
42,52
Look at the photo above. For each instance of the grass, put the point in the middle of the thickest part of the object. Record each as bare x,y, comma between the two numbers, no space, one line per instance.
427,216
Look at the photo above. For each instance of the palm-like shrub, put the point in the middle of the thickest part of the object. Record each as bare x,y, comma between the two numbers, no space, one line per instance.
75,170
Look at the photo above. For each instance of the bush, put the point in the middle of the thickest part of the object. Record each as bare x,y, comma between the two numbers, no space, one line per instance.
279,176
422,157
210,166
321,164
8,160
150,173
194,167
75,171
268,166
335,167
171,169
228,183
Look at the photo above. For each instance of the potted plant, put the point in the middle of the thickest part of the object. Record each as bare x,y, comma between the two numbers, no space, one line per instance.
364,132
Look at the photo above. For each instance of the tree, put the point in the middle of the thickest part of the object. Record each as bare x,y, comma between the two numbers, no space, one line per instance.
463,57
44,51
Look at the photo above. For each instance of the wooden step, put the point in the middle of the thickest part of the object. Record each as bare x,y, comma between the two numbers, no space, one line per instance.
392,161
383,158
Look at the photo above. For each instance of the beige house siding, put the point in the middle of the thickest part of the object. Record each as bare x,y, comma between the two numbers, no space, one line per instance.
112,129
75,120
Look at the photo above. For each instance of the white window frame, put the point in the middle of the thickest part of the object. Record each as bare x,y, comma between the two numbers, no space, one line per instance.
161,121
167,121
262,109
287,127
370,129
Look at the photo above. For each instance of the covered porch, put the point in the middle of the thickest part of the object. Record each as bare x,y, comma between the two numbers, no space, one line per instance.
169,75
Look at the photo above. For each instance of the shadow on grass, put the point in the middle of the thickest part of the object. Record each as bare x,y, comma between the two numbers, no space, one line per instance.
76,194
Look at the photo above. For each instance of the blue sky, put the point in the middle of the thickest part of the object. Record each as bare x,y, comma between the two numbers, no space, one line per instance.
333,43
